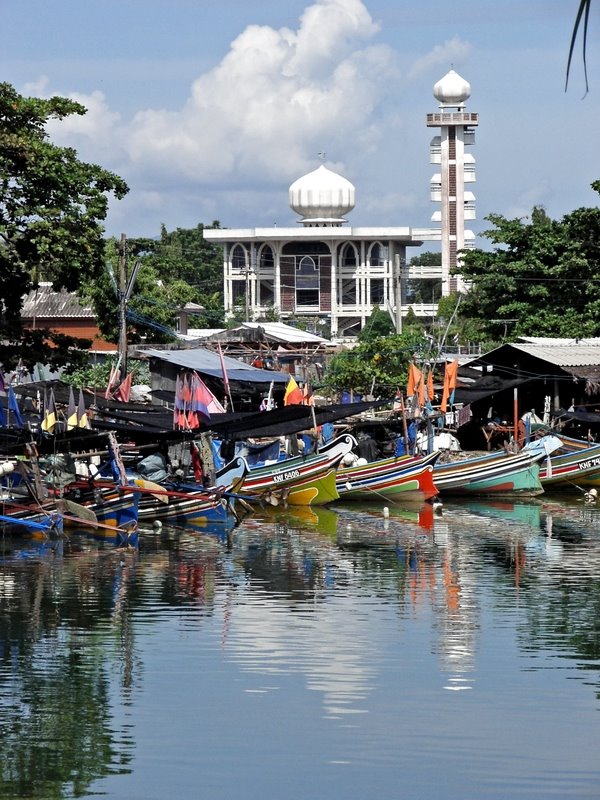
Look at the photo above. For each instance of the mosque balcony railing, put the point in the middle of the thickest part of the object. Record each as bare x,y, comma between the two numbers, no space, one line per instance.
424,271
452,118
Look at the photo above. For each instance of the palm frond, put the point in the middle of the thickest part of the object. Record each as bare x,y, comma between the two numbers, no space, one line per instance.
582,13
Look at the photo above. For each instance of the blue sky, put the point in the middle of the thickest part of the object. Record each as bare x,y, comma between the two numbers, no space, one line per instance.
211,109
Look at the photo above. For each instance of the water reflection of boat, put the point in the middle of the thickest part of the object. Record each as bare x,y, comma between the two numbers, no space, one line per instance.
319,518
115,537
420,514
522,512
29,547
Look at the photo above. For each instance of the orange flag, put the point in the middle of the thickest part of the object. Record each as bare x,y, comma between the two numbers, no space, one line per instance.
430,394
416,384
449,384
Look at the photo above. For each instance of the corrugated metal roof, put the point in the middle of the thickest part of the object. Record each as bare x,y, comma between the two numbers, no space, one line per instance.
548,340
564,355
285,333
209,363
45,303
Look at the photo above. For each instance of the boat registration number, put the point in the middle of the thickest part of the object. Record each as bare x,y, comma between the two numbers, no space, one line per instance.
285,476
591,462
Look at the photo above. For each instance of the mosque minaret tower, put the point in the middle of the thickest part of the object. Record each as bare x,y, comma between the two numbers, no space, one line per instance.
457,170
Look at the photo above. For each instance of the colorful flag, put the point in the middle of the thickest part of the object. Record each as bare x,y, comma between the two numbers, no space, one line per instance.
49,420
72,420
293,394
449,385
14,407
2,417
82,418
201,397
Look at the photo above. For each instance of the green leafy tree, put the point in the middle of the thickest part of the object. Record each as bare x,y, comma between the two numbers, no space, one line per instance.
541,278
378,324
178,268
425,290
52,206
379,364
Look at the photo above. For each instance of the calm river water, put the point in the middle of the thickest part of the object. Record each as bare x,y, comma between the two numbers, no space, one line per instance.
308,655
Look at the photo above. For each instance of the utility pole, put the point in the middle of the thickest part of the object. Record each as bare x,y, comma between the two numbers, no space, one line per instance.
123,304
398,293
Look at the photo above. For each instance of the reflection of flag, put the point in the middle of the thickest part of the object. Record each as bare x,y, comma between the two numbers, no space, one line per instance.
82,419
14,407
449,385
49,420
2,417
293,393
72,420
2,382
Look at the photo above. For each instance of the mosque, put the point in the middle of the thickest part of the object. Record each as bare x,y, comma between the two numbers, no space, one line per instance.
335,273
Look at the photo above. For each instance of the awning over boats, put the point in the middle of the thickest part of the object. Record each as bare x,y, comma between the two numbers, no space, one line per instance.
485,387
207,362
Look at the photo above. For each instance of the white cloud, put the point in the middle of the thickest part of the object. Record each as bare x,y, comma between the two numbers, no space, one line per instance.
275,99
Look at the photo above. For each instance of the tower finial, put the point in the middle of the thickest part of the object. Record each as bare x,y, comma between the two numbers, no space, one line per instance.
322,155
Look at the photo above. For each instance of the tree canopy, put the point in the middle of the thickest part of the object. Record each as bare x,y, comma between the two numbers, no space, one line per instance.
177,268
378,365
541,278
52,206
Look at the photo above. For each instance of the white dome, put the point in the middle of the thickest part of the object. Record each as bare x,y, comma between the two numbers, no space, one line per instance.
452,90
322,197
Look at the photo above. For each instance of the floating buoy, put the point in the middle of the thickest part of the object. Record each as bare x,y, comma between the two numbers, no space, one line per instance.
386,512
157,524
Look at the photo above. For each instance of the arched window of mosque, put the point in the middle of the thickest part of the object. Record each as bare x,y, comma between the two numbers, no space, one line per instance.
349,256
238,257
307,282
265,259
377,255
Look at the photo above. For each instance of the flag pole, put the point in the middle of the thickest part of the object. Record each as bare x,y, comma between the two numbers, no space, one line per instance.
225,378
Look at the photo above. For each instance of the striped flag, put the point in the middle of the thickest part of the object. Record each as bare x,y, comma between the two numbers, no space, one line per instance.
293,394
82,418
49,420
71,411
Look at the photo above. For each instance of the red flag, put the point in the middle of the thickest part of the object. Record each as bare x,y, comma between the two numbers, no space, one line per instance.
123,393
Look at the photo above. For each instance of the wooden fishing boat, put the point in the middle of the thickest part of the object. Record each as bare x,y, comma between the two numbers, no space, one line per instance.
299,480
498,474
178,503
401,478
575,464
